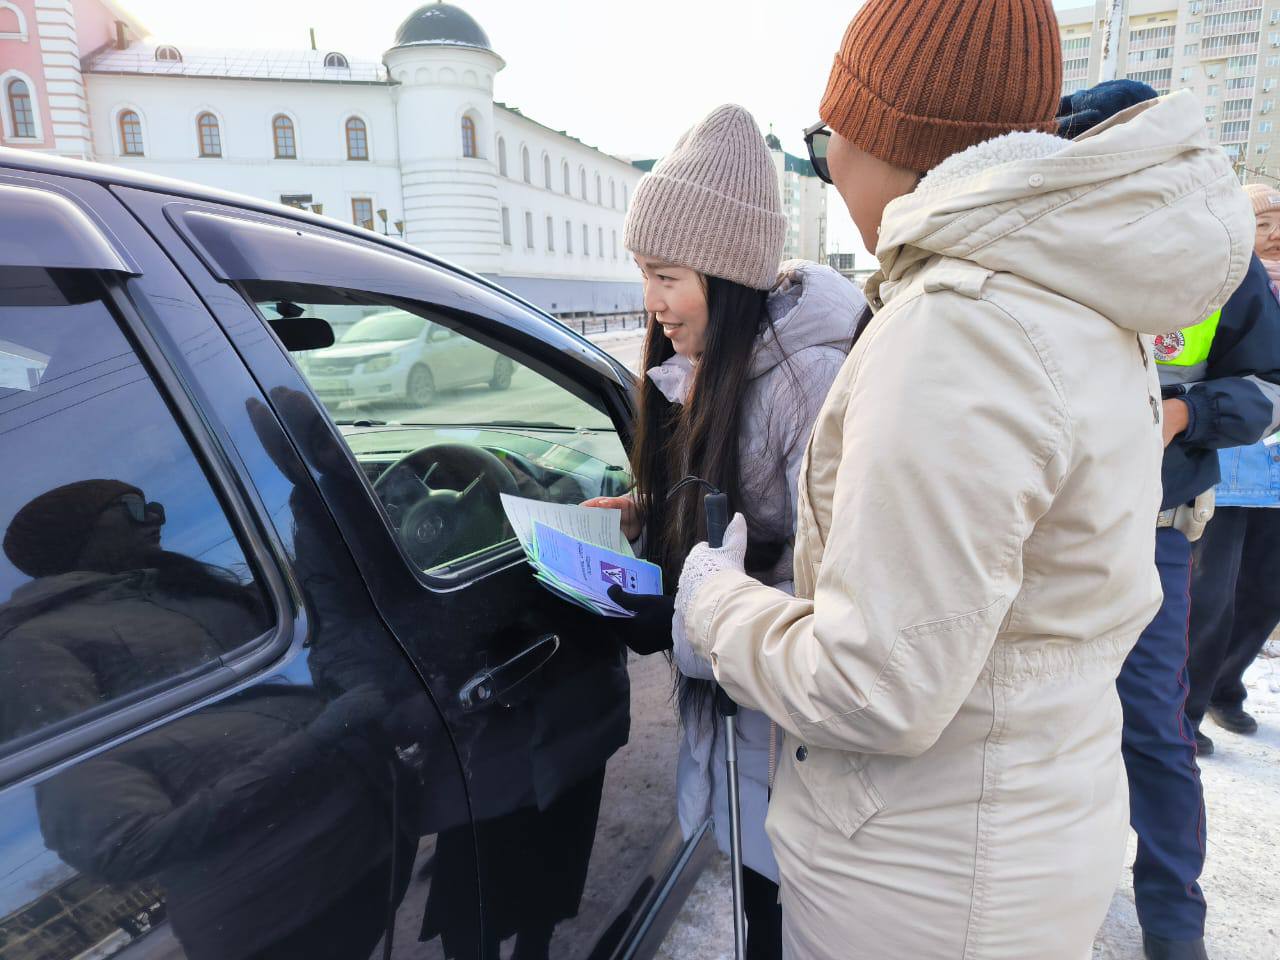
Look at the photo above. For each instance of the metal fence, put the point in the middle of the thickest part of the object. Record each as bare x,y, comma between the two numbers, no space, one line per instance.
604,322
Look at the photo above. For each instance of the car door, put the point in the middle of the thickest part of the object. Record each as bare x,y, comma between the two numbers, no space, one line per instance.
569,744
211,746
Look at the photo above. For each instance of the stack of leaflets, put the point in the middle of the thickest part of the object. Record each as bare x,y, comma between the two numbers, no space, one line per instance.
579,552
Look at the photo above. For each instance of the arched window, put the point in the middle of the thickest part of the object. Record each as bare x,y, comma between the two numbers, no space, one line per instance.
13,25
599,198
130,134
613,195
546,171
210,135
624,198
168,54
524,165
336,60
564,168
282,134
468,137
582,184
357,139
21,113
502,157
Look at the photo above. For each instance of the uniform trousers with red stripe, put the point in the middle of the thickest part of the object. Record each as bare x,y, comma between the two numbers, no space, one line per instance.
1166,802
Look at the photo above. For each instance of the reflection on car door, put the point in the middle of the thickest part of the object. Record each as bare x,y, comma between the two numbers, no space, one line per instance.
211,747
569,757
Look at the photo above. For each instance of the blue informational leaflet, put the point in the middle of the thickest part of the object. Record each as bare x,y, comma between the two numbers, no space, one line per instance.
593,569
579,552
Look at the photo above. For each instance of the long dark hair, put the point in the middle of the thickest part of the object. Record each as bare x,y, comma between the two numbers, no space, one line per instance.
701,438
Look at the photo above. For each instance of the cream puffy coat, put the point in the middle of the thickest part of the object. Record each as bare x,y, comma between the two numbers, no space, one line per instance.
974,556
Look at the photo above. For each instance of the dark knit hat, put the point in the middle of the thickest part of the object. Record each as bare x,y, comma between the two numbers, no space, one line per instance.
1083,110
47,536
918,80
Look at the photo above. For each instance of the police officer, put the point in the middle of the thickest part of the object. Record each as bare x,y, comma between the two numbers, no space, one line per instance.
1220,382
1221,385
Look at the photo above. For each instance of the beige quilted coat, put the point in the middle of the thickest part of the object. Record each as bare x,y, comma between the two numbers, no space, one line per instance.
974,556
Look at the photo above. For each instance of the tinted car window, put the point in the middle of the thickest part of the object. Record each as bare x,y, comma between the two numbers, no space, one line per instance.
442,424
120,573
393,325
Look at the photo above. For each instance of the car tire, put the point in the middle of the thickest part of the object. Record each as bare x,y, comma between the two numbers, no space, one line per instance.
420,387
503,368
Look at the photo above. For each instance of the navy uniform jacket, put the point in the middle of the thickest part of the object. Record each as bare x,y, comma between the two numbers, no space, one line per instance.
1234,398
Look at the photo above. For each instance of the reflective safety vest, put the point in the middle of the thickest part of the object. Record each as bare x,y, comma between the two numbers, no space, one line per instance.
1189,346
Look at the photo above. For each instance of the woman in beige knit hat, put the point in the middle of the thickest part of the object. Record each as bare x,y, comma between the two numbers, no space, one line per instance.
978,502
739,355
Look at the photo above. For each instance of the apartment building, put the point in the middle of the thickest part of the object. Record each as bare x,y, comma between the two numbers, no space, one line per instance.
1227,52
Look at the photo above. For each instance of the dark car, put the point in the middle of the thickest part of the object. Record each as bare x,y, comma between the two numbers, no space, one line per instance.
275,678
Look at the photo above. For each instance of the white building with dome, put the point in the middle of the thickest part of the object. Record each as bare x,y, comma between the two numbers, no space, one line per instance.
414,144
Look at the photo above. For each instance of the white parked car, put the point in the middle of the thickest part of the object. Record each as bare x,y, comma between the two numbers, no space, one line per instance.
397,357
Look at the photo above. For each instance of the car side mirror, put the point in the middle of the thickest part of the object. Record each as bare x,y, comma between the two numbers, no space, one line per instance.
303,333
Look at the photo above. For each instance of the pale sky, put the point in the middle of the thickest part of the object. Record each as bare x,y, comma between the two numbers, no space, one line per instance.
625,77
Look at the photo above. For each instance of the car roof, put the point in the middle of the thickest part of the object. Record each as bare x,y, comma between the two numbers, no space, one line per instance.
109,175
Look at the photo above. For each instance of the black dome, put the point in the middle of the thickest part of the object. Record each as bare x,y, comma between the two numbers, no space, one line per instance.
441,23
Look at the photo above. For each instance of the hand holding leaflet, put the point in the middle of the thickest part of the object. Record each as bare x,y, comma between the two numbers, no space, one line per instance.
578,553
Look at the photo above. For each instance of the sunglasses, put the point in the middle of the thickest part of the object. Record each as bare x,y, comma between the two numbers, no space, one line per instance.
140,511
816,139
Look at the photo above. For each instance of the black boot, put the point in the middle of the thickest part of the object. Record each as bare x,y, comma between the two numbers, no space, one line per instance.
1153,948
1233,717
1204,746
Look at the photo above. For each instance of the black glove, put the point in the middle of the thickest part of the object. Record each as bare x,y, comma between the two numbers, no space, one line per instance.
649,631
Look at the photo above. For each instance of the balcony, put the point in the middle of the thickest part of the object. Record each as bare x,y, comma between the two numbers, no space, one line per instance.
1238,50
1151,39
1252,25
1237,114
1161,63
1230,6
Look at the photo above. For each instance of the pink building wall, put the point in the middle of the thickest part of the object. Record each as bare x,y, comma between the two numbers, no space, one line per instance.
96,25
24,56
93,25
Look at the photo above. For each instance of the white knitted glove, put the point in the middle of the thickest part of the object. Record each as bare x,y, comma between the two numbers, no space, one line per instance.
703,563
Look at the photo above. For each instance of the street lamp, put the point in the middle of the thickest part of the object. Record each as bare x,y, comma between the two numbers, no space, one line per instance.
400,228
382,215
317,209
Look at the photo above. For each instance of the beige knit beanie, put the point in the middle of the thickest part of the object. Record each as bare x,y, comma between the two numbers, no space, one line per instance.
1265,198
712,203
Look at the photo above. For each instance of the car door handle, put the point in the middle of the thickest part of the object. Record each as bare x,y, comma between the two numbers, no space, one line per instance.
488,686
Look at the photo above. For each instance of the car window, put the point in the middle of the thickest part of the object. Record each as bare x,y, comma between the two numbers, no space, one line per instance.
120,573
392,326
443,424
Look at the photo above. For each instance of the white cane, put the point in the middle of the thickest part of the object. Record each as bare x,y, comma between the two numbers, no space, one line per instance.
717,507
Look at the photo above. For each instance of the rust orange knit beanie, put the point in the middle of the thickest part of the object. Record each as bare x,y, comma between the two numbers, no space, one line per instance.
918,80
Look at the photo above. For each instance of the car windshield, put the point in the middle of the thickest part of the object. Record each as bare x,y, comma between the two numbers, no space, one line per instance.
394,325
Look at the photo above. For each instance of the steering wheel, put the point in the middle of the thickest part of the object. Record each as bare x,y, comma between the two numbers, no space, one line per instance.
443,499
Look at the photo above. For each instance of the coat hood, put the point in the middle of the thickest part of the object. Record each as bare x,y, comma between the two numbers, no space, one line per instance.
1088,218
811,306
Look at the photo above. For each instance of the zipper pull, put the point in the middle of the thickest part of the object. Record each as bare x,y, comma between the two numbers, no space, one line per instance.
1155,410
1142,349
